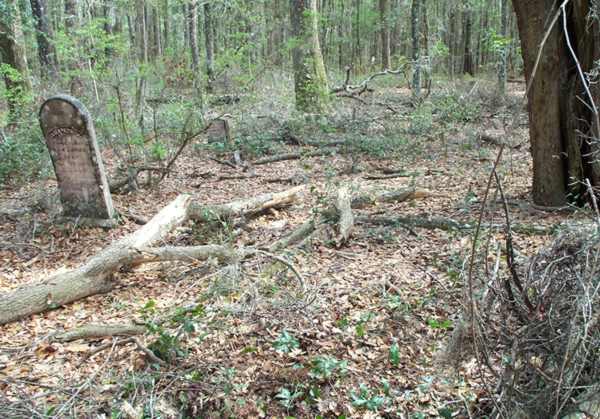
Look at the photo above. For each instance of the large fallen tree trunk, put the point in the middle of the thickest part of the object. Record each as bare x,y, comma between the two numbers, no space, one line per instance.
95,275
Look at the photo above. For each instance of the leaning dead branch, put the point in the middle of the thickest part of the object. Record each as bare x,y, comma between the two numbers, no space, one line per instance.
360,88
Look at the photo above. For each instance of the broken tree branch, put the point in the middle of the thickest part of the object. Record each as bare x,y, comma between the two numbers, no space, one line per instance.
343,205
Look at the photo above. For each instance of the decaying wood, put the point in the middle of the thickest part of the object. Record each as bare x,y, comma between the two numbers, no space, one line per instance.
95,275
398,195
362,200
433,223
390,176
244,207
343,205
291,156
96,331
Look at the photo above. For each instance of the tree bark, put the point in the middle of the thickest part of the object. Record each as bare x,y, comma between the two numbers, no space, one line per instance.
384,12
416,56
12,53
46,52
193,35
209,46
467,53
563,130
503,64
310,78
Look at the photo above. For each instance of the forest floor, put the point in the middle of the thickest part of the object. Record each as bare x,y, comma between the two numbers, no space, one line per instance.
363,340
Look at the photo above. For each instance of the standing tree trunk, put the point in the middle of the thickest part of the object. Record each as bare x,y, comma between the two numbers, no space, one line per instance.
503,64
357,51
193,35
12,53
310,78
46,53
563,124
209,46
416,56
467,55
384,12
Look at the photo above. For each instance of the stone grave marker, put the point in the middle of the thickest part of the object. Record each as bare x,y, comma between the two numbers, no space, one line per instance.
219,131
71,140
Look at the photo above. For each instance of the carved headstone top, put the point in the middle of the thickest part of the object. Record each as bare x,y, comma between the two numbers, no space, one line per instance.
71,140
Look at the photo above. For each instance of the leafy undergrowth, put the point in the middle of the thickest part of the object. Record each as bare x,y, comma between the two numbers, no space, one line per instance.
360,341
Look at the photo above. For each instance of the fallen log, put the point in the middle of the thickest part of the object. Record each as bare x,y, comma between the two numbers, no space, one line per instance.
433,223
291,156
95,275
97,331
244,207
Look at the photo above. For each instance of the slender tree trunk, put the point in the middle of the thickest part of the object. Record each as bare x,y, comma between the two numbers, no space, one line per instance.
310,78
141,32
209,46
166,26
467,56
46,52
340,28
503,62
357,44
384,12
416,56
193,35
12,53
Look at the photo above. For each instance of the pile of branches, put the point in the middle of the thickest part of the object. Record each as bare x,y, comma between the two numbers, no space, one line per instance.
536,329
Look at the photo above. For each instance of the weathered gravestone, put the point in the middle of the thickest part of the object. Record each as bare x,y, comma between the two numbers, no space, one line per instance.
219,131
71,140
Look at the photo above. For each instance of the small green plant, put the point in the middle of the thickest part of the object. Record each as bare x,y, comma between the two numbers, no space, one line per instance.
286,342
168,344
326,367
396,303
366,399
444,324
395,354
287,398
360,328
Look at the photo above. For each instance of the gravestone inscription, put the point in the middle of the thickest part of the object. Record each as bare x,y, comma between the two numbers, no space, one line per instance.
69,133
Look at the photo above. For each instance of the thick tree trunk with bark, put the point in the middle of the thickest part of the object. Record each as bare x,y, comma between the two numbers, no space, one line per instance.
310,78
563,127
